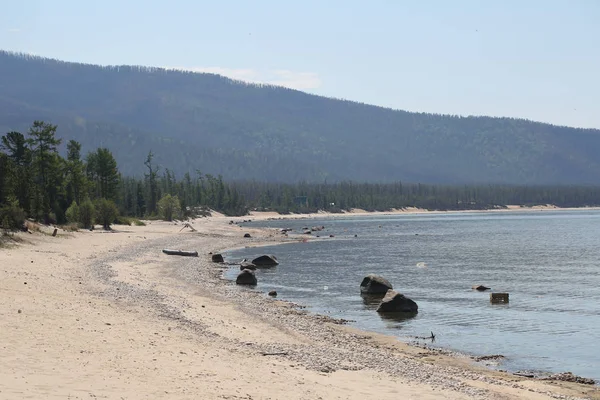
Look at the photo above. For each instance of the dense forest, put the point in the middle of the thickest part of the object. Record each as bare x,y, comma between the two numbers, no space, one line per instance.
37,182
245,131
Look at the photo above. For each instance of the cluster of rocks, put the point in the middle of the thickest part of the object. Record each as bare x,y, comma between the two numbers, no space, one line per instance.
307,231
247,275
391,300
569,377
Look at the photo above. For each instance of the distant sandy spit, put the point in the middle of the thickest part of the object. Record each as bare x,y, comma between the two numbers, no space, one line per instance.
107,315
265,215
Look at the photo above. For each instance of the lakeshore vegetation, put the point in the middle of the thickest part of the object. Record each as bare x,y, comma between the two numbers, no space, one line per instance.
37,182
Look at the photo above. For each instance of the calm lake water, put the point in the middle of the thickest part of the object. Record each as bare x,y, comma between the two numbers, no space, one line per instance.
548,261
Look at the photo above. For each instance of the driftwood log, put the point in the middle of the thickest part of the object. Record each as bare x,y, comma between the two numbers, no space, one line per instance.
180,253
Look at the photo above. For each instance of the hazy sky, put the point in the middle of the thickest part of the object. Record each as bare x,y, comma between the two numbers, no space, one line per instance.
533,59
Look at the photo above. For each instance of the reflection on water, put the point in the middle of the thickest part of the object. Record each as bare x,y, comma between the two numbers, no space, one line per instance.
549,263
372,301
397,316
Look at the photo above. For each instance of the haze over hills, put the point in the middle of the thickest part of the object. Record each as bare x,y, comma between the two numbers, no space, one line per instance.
216,125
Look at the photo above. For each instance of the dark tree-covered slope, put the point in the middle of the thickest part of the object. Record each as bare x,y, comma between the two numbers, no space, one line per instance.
210,123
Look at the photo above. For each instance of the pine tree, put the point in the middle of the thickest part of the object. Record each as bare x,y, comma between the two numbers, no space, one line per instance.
107,174
46,166
76,180
17,175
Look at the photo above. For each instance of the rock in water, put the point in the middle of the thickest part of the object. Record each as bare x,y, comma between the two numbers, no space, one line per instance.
265,261
246,277
218,258
480,288
272,293
395,302
375,284
245,264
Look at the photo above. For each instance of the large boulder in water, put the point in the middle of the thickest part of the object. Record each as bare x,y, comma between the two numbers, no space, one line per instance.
265,261
246,277
375,284
395,302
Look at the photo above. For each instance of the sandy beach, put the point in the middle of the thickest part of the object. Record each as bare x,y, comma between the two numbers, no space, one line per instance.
266,215
106,315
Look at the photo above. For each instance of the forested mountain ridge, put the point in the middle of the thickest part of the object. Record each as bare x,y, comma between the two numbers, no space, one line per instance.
219,126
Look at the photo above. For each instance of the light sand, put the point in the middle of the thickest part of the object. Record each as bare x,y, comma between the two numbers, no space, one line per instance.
264,215
105,315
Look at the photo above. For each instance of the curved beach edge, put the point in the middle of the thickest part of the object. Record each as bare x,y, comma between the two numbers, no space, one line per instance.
107,314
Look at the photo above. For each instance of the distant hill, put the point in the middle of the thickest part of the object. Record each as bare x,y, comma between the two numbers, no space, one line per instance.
244,131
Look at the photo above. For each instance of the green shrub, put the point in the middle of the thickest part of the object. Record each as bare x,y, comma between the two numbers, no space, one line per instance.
106,213
51,219
121,220
72,213
12,216
86,213
169,207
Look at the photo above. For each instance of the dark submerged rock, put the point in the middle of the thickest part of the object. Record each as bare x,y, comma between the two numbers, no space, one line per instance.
480,288
375,284
395,302
245,264
265,261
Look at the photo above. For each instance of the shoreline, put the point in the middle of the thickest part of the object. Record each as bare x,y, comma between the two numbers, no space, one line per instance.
254,215
108,314
473,359
473,362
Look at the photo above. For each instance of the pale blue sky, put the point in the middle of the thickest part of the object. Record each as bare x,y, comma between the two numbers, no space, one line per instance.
532,59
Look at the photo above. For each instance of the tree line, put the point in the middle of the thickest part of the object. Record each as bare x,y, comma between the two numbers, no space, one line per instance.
37,182
340,196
